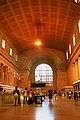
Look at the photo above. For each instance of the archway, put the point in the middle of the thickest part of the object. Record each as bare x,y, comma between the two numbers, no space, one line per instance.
44,73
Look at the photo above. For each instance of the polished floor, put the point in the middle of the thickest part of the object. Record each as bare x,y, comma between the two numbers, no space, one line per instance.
60,109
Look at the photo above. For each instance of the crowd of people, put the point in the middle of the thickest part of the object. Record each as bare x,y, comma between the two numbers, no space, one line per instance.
23,97
29,96
73,95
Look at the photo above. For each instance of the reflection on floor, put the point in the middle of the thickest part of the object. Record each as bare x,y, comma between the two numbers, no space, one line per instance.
60,109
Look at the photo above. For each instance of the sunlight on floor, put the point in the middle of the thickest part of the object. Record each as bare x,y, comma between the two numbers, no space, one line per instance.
46,113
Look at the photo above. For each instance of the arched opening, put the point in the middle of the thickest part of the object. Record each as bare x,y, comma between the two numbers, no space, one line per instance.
44,73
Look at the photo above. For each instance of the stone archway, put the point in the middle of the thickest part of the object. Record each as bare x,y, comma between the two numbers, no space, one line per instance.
38,61
30,59
44,73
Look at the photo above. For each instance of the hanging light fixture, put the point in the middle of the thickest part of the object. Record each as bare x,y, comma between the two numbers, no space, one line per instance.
38,42
38,39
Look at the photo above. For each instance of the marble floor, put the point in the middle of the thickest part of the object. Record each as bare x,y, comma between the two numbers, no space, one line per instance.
60,109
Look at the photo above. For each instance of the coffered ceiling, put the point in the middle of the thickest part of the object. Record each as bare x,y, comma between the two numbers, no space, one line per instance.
51,21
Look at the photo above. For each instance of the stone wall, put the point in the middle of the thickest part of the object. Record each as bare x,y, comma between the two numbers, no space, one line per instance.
73,66
8,64
21,72
29,60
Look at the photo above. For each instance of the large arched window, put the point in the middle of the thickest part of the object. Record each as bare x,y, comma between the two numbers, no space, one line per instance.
44,73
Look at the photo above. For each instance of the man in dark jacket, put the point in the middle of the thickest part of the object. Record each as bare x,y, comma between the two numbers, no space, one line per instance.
16,94
50,94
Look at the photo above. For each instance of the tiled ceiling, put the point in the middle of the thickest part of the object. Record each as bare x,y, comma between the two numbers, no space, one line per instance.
52,21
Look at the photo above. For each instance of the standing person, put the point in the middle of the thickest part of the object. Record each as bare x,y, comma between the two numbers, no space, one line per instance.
16,94
79,95
25,95
55,94
50,94
75,95
31,98
22,98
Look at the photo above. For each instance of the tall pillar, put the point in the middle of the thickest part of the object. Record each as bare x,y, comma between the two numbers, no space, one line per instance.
79,67
1,73
5,74
0,43
76,70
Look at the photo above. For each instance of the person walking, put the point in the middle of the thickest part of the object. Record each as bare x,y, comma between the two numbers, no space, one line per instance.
16,94
50,94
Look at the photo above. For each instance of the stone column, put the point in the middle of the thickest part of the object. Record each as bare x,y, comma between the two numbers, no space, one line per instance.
79,67
5,74
1,73
76,70
0,43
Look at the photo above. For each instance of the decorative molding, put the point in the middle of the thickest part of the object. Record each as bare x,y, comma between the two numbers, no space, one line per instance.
77,47
8,60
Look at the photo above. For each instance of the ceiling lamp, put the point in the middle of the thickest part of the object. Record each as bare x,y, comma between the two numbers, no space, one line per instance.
38,42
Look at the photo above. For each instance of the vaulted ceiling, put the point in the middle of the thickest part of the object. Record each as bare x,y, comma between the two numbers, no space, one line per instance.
52,21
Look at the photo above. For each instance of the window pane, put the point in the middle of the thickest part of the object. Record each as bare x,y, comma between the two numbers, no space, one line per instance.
43,73
3,43
67,55
11,51
76,1
74,39
69,48
79,25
